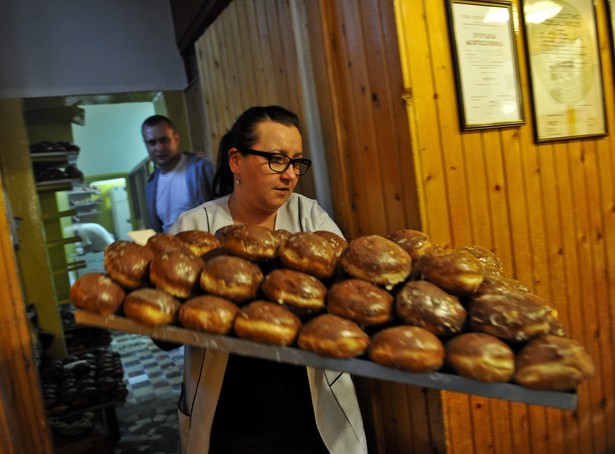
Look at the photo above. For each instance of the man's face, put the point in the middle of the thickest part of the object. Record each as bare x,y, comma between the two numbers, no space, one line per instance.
162,144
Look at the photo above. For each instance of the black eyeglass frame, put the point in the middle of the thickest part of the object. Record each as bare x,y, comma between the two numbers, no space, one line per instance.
270,155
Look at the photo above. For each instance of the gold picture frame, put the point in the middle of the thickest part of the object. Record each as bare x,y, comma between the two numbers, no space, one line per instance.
565,69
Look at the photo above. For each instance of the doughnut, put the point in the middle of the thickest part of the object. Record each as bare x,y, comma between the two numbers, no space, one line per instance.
294,289
338,242
231,277
553,363
332,336
480,356
500,284
376,259
409,348
309,253
97,293
128,263
360,301
150,306
421,303
177,273
165,242
491,264
456,271
252,242
282,235
198,241
414,242
512,316
267,323
208,313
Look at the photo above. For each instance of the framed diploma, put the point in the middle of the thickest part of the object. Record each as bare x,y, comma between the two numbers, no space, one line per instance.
486,66
565,71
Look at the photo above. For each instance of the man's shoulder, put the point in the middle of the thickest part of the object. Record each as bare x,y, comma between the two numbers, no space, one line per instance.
195,157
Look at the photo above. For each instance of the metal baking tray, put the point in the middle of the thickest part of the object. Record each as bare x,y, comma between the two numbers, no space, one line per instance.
358,367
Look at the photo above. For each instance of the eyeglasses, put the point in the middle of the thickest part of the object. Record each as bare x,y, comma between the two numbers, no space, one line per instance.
279,162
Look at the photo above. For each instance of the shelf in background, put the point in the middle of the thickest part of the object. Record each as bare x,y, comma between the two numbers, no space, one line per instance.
56,185
359,367
55,157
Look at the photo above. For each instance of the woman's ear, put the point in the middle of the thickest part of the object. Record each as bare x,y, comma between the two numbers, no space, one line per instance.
233,159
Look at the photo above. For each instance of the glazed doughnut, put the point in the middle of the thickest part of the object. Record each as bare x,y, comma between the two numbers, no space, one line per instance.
376,259
231,277
410,348
500,284
491,263
177,273
208,313
282,235
97,293
295,289
360,301
333,336
252,242
415,242
338,243
267,323
513,317
198,241
128,263
165,242
421,303
150,306
456,271
553,363
481,357
309,253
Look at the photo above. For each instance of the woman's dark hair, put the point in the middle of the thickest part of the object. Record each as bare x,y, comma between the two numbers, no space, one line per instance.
243,135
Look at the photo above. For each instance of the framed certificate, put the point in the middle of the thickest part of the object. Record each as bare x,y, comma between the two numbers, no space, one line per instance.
565,70
486,66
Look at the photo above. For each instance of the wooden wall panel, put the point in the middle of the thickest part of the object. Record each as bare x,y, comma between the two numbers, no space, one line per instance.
545,209
246,58
23,423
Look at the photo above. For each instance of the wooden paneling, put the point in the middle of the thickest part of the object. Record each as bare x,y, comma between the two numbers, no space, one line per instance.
23,424
545,209
247,58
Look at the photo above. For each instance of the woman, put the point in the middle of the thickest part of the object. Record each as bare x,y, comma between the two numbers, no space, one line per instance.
234,404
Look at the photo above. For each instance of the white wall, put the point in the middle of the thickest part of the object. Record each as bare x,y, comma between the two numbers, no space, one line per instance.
111,140
78,47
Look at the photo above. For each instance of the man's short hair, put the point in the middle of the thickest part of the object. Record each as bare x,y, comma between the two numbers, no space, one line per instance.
155,120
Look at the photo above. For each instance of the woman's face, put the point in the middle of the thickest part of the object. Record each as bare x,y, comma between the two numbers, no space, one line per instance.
260,188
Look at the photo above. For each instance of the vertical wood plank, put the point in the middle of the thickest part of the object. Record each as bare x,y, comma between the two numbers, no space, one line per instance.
23,423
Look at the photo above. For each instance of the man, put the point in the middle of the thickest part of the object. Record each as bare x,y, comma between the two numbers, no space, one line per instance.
181,181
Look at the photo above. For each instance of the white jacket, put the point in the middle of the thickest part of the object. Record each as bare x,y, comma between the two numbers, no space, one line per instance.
336,408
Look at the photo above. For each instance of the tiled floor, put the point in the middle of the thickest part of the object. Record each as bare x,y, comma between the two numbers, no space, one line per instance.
148,419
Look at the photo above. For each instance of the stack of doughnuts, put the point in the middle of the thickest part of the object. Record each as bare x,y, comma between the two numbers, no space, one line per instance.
400,300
